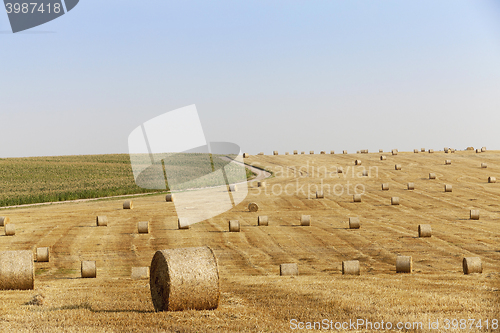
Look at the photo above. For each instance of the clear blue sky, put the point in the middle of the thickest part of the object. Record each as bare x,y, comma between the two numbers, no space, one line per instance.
266,75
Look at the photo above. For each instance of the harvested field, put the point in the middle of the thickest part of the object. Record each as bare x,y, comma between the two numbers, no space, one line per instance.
254,297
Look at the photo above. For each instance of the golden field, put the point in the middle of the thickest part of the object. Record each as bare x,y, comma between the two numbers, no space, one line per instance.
254,298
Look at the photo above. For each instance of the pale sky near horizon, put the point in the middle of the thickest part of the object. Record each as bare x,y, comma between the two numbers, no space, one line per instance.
266,75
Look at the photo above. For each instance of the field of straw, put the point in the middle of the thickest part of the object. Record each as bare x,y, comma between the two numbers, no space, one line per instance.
254,297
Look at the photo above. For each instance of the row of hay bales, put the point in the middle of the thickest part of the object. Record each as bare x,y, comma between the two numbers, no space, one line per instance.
365,151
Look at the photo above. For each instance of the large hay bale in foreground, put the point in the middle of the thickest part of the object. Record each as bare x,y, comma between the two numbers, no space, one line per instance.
356,198
404,264
4,220
289,269
143,227
385,187
183,223
320,195
432,175
10,229
42,254
88,269
484,165
101,221
474,214
128,204
492,180
184,279
411,186
472,265
397,167
253,207
350,267
354,223
305,220
234,226
448,188
395,201
170,197
16,270
140,273
262,220
383,158
424,230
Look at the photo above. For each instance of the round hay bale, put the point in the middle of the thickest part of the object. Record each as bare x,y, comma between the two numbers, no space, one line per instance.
340,170
395,201
183,223
422,150
311,152
262,220
4,220
484,165
253,207
169,197
411,186
397,167
261,153
432,175
394,152
295,152
474,214
234,226
332,152
448,188
424,230
483,149
140,273
470,148
233,188
357,152
305,220
184,279
364,151
385,186
344,152
143,227
404,264
88,269
380,150
289,269
286,153
447,162
101,221
42,254
446,150
302,152
478,151
354,223
431,151
356,198
350,267
322,152
357,162
383,158
415,151
320,195
472,265
275,152
10,229
492,180
245,155
128,204
365,173
261,184
16,270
